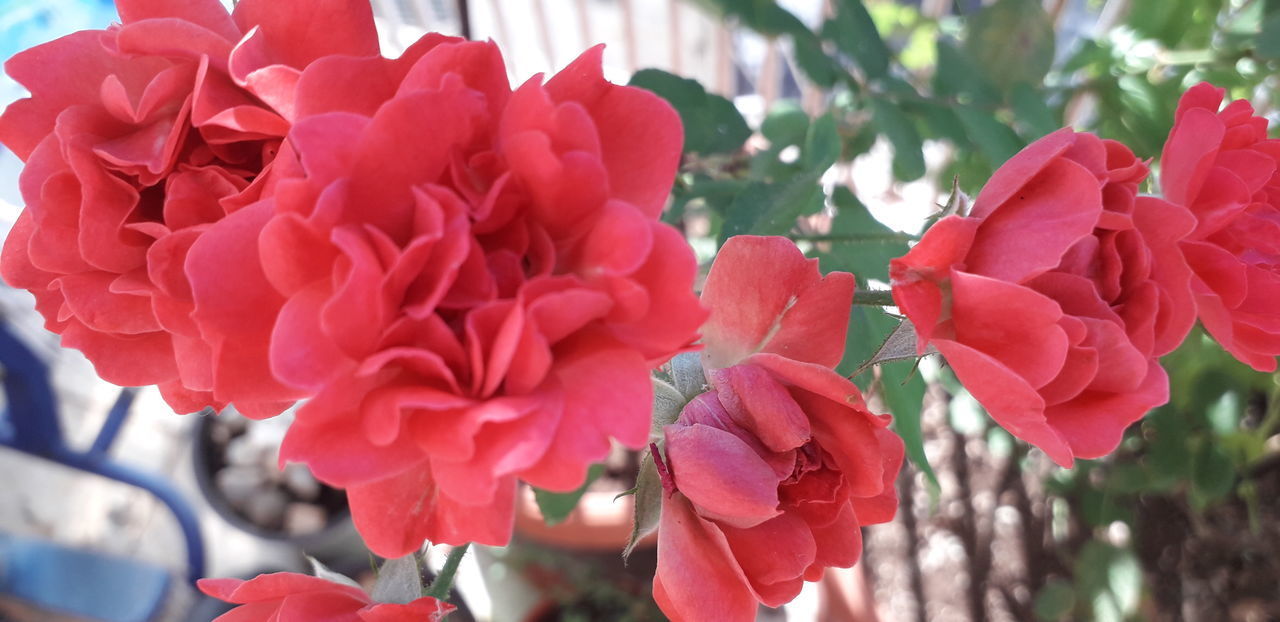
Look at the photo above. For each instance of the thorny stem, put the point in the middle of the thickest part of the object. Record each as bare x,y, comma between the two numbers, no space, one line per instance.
853,237
443,584
874,298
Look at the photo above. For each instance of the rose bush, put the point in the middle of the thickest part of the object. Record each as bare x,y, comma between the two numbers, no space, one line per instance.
771,473
1054,297
1222,166
291,597
136,139
471,280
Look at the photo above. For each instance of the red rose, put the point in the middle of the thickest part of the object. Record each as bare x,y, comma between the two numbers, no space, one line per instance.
291,597
471,280
773,472
136,139
1222,166
1052,300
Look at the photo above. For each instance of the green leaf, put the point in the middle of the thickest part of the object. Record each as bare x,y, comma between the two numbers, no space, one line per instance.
868,247
711,123
556,506
398,581
786,124
908,157
772,208
1031,112
854,32
1100,508
717,194
942,122
1055,600
1127,478
1267,45
1189,23
904,395
823,70
763,16
821,145
994,139
956,76
1168,454
1109,581
1213,472
867,328
648,503
1012,40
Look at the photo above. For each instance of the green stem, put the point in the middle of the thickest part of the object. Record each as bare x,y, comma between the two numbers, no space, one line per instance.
874,298
854,237
440,588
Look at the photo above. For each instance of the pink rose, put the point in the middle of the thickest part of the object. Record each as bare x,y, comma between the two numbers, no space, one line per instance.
1222,166
771,474
291,597
138,138
1054,297
471,280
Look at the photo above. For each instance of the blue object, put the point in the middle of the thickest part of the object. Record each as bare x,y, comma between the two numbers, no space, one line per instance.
81,582
85,583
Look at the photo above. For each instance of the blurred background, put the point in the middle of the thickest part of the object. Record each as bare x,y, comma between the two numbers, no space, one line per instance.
843,124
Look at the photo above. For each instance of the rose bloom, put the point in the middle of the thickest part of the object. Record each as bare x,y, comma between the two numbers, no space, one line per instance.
1053,298
471,280
136,139
771,474
291,597
1222,166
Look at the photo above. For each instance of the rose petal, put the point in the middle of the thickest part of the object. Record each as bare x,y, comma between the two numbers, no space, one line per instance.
764,295
697,579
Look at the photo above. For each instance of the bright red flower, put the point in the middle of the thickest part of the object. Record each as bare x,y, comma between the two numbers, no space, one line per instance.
136,139
775,470
1054,297
291,597
472,281
1222,166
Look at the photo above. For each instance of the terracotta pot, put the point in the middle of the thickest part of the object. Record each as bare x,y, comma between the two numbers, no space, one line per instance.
598,523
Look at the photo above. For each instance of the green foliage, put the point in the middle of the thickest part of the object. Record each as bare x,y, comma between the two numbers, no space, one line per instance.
711,123
1012,40
908,159
1108,582
859,243
1055,600
854,32
764,208
556,506
903,391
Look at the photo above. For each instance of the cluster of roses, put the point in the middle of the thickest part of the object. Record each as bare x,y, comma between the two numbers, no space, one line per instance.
467,283
1055,296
